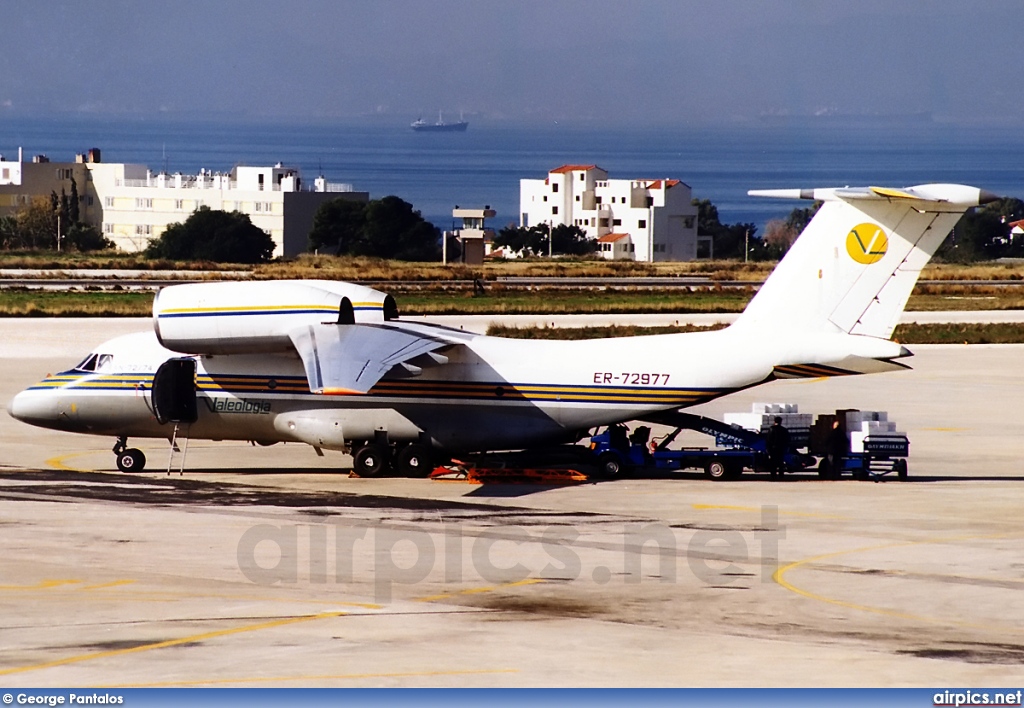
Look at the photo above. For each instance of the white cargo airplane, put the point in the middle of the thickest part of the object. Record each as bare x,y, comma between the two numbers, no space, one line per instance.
330,364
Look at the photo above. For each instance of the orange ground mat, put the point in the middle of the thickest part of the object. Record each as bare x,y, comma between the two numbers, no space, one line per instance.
508,475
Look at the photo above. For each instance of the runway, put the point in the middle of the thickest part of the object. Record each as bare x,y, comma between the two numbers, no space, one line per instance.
271,567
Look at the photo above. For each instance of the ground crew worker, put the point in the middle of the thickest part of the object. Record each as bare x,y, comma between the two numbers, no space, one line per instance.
838,446
778,446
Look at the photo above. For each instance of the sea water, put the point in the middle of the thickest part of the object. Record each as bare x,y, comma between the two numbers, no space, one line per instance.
483,166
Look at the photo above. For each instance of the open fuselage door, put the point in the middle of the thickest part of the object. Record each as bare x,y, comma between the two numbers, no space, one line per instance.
174,392
174,401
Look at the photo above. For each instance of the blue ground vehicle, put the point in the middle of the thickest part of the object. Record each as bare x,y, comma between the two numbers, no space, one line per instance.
879,458
863,466
737,449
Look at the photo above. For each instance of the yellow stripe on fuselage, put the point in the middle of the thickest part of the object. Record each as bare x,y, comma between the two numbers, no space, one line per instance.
212,384
257,308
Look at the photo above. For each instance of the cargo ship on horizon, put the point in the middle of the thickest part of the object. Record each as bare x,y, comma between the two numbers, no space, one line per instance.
421,126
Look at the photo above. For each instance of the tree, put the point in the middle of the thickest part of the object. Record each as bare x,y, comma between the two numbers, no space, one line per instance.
571,241
82,237
729,239
10,236
799,218
707,217
393,229
214,235
64,221
1007,209
338,227
567,240
382,228
37,224
74,210
54,216
532,241
779,235
984,233
733,238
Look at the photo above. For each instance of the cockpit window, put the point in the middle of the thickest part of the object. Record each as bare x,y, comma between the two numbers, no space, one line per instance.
95,362
88,364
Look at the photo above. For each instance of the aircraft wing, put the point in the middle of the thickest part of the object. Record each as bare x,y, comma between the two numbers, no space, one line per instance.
347,359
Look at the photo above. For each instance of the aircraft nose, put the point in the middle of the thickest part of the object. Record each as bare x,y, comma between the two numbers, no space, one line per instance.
32,407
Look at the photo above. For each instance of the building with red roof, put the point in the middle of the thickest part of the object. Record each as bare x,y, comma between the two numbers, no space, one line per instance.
650,219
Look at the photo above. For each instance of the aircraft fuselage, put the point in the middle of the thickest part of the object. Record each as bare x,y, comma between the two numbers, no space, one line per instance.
494,393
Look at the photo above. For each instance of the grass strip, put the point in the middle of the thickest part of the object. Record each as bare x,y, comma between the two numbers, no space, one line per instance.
361,268
27,302
101,303
905,333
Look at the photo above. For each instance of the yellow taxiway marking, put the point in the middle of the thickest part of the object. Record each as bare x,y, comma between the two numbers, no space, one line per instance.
476,591
171,596
48,584
779,577
312,677
58,461
166,596
41,585
238,630
112,584
171,642
726,507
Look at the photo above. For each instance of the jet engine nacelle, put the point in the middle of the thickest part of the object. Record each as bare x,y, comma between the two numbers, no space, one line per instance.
256,317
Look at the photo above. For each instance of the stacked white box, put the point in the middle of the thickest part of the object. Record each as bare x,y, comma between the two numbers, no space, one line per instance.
877,426
749,421
763,415
873,424
854,419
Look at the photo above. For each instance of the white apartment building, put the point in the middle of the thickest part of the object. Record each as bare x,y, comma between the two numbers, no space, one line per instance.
131,205
650,219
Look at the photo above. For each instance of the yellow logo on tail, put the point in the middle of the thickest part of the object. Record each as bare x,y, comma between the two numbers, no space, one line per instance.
867,243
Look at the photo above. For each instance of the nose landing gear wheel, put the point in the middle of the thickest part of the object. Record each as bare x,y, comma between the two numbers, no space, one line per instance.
131,460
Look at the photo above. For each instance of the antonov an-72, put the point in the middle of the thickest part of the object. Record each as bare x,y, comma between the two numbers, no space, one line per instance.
332,365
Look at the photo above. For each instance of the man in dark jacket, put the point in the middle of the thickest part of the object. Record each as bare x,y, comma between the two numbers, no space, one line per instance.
778,446
838,446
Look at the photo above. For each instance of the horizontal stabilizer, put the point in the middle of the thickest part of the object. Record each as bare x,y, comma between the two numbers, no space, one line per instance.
957,195
350,359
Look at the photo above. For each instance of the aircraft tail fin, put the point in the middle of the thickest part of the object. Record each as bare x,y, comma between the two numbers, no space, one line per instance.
855,264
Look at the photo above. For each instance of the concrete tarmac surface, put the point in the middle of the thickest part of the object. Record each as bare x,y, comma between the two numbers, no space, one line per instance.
271,567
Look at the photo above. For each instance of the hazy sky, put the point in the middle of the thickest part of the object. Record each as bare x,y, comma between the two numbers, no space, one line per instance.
653,61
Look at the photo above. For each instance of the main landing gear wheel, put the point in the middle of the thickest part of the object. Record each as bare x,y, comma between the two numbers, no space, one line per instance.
131,460
414,461
370,460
